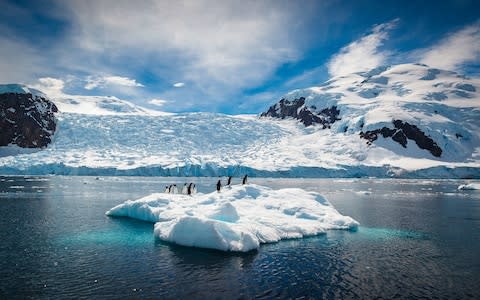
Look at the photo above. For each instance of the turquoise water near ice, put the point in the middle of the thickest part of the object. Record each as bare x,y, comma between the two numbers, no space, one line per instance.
418,238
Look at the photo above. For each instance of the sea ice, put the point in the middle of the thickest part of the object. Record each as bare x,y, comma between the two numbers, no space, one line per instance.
239,218
469,186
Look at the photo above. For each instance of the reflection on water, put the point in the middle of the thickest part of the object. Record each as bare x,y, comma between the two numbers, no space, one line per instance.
388,233
122,232
416,239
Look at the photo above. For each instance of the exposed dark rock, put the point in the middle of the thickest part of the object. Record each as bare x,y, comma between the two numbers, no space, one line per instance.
462,93
436,96
400,138
25,120
431,75
466,87
307,115
369,93
285,108
401,132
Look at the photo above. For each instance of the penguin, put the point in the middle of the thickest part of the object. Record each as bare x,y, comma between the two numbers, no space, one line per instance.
189,189
175,190
166,189
219,185
244,181
194,191
229,180
184,189
169,189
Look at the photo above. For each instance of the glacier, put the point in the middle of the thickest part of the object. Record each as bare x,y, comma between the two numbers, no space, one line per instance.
239,218
108,136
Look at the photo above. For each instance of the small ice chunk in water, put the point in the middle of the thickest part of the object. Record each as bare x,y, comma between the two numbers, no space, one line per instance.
469,186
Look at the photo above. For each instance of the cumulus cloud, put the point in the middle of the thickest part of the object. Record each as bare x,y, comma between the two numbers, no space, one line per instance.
52,87
158,102
179,84
219,45
218,48
456,49
363,54
103,81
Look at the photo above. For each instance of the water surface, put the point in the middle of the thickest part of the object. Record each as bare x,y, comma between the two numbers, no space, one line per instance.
416,239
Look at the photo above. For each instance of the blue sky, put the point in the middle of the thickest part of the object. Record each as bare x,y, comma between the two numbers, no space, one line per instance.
224,56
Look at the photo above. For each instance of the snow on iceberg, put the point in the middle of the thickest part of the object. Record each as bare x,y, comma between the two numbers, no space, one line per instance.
239,218
469,186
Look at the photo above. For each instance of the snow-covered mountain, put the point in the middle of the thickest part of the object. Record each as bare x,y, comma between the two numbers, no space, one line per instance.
418,107
101,105
384,123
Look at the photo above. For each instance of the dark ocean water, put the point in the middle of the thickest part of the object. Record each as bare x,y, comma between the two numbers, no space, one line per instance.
417,239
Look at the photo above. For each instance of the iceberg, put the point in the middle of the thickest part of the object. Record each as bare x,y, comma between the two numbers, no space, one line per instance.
238,218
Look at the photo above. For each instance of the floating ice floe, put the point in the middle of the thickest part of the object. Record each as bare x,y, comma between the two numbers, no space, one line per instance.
239,218
469,186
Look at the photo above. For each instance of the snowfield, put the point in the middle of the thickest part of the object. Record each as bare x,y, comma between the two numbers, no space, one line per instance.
239,218
108,136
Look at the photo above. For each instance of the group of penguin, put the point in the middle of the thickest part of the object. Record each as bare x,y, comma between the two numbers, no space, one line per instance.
229,181
192,189
186,190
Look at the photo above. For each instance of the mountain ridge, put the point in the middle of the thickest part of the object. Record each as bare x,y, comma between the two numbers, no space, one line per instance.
409,102
386,106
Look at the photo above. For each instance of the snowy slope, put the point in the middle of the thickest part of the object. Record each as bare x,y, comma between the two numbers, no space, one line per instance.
133,141
444,105
20,89
101,105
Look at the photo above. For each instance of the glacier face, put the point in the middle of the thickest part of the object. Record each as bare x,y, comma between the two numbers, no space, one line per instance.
134,141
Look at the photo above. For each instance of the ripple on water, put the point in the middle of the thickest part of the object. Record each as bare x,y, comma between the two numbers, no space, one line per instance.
60,245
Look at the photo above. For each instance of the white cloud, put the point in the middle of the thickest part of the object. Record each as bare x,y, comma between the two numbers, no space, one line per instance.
363,54
52,87
179,84
158,102
125,81
456,49
103,81
218,48
92,83
218,45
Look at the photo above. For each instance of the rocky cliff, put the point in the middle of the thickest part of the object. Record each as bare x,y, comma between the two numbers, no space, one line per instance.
26,118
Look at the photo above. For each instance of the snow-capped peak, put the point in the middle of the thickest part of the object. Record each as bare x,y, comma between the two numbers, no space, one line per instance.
435,109
87,105
101,105
16,88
